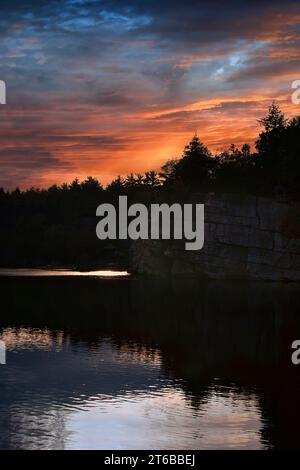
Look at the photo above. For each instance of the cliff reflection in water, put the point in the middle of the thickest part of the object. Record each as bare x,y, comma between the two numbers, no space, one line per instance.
127,363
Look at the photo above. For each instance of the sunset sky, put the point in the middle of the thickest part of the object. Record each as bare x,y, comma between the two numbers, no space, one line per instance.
108,87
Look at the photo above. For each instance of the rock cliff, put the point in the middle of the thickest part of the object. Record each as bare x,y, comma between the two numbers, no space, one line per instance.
246,237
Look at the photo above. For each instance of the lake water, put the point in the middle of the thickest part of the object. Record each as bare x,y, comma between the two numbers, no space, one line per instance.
103,362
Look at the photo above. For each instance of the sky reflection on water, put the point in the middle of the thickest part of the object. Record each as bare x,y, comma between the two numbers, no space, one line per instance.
96,363
57,395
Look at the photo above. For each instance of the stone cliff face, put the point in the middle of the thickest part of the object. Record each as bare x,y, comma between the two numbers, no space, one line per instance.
246,237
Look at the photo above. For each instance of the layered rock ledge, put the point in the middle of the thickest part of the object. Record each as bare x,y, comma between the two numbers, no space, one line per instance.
246,237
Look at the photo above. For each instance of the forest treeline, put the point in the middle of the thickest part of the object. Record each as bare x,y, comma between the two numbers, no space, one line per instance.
56,226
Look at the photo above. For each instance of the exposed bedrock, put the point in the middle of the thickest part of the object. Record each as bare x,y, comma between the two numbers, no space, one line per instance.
246,237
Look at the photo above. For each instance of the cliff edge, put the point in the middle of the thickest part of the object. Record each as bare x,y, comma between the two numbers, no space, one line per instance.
246,237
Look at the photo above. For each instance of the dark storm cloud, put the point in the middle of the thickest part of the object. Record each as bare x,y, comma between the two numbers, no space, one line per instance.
27,158
204,21
26,164
52,45
37,138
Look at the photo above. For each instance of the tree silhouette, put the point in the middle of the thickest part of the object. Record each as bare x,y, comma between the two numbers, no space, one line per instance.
195,168
196,149
278,150
274,120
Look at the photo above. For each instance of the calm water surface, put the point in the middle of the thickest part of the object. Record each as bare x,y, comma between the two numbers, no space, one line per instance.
122,363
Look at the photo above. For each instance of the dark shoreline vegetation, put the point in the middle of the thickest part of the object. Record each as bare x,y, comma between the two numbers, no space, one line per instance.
55,227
